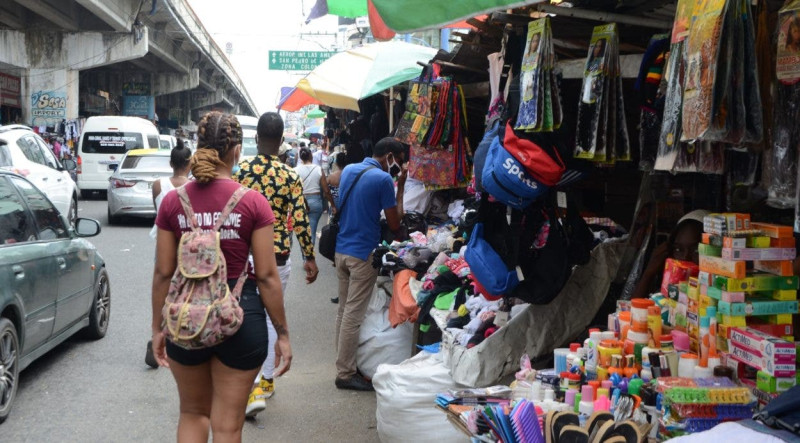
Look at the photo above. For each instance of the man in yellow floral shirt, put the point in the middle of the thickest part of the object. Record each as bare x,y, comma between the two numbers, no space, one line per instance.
284,190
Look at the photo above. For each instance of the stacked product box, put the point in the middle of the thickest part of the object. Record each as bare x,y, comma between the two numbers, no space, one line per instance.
680,288
746,273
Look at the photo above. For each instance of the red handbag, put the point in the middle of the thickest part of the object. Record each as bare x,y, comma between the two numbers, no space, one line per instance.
546,168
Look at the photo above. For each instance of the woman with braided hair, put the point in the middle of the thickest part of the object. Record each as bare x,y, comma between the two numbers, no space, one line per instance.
214,383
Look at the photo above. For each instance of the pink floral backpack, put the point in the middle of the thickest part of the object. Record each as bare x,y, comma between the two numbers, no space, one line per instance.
200,311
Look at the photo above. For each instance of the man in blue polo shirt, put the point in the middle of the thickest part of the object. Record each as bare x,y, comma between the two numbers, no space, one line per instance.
359,235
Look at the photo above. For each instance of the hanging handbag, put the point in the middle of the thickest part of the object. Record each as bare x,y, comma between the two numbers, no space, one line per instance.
413,126
328,234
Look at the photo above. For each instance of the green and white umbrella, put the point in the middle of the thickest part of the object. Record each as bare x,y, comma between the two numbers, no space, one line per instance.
344,79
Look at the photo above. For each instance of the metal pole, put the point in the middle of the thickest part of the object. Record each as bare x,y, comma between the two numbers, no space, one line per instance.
391,109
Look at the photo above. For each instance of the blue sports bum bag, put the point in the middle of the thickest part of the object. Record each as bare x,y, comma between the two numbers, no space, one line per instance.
507,180
487,266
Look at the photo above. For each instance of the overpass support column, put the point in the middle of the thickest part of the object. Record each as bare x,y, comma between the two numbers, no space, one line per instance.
52,62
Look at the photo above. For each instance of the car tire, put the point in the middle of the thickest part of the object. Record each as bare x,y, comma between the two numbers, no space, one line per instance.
100,313
72,212
112,219
9,362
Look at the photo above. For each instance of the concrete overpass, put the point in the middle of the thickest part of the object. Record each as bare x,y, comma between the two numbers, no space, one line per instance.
76,58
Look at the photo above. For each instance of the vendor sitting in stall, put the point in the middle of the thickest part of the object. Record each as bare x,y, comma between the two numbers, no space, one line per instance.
681,245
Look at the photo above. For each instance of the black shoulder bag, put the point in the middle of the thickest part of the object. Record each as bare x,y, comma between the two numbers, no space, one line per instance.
328,234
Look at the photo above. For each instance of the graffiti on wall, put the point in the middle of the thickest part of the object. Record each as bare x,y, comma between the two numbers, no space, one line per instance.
48,107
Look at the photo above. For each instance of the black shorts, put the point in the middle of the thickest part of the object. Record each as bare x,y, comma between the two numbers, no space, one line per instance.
246,350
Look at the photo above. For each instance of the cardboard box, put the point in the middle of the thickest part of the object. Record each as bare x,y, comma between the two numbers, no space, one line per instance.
757,307
750,254
730,297
782,295
723,267
709,250
733,320
730,220
783,242
757,241
762,344
780,319
754,241
772,368
774,231
755,283
770,384
784,268
705,278
773,330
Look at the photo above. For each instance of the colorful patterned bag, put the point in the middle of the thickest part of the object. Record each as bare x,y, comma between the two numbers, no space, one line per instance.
200,310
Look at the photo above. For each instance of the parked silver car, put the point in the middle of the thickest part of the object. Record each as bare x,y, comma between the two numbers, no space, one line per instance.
130,187
53,282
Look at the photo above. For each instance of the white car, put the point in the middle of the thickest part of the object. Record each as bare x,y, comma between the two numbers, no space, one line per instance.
167,141
25,153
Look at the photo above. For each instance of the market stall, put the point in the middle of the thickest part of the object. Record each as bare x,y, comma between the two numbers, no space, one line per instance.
558,157
545,133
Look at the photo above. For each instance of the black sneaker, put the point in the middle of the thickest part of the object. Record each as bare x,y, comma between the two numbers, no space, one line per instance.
354,383
149,358
335,300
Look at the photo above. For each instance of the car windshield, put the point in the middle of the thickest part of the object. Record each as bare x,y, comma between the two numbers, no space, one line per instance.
111,142
249,147
147,163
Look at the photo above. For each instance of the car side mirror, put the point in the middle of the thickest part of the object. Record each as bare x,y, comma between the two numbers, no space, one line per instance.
69,164
87,227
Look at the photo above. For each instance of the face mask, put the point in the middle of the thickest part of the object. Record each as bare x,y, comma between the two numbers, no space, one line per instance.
394,167
235,169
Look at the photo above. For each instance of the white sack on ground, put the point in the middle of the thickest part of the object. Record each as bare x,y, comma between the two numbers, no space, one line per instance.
378,343
540,328
406,396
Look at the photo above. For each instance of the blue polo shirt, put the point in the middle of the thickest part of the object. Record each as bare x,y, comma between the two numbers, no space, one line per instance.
360,221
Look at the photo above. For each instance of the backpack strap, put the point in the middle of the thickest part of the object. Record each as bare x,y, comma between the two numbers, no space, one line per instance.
183,197
232,202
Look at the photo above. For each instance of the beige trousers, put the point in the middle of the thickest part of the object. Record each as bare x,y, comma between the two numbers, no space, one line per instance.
356,283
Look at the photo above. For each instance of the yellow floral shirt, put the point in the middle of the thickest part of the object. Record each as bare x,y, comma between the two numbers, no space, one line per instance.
284,191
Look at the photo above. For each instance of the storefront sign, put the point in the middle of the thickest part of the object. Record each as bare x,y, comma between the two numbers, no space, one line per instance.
48,107
139,106
135,88
9,90
297,60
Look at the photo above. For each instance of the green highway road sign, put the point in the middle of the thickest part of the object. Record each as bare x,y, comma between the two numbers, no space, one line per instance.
297,60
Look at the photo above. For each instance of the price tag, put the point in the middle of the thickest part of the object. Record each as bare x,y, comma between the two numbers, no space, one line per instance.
501,319
561,198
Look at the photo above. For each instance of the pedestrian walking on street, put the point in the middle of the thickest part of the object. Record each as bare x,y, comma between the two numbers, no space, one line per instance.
365,190
314,188
179,159
214,382
340,161
279,183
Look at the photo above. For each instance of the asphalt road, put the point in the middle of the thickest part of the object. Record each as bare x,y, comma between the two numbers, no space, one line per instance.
85,391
